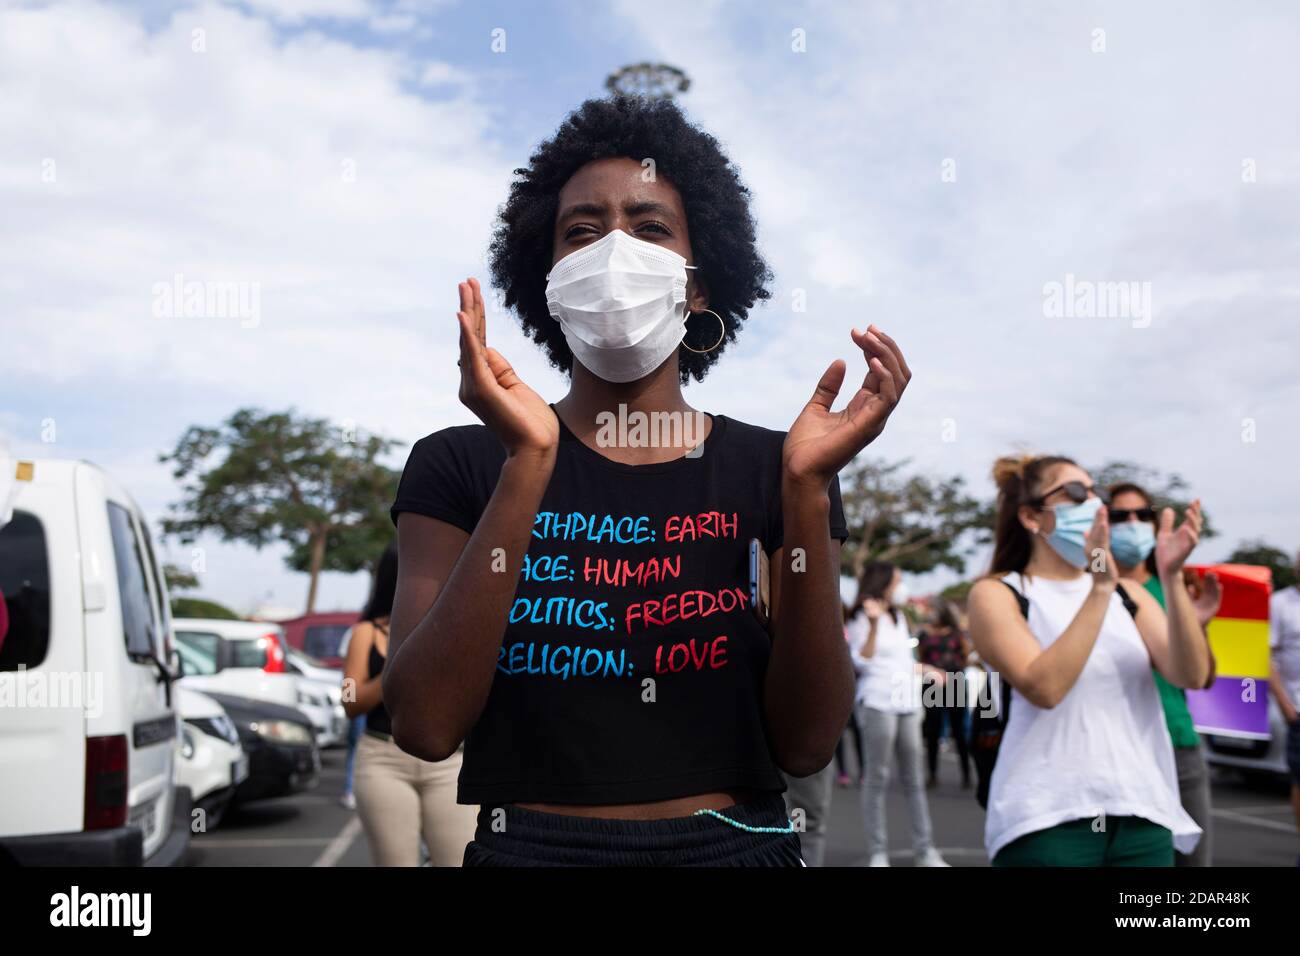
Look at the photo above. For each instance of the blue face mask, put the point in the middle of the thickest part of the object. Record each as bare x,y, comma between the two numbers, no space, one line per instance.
1131,542
1072,523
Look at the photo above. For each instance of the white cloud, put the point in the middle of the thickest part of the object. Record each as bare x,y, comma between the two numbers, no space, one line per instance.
297,11
298,162
1125,165
358,184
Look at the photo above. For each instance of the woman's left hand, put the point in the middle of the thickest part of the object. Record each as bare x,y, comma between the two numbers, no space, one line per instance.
1207,597
821,442
1174,546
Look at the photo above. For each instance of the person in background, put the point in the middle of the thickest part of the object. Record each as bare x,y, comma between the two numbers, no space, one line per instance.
1284,675
1133,542
400,798
811,795
844,779
356,727
944,649
889,701
1085,772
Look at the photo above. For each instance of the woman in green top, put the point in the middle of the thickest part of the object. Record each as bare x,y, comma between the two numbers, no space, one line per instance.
1132,538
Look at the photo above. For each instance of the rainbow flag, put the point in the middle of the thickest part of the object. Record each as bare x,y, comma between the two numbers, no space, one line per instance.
1236,704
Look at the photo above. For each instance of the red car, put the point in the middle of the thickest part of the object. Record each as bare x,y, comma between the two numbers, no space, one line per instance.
320,634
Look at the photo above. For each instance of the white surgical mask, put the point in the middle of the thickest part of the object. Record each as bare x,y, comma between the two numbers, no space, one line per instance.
621,303
901,594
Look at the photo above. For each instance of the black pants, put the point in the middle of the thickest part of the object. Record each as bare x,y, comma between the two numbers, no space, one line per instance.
932,728
510,836
856,731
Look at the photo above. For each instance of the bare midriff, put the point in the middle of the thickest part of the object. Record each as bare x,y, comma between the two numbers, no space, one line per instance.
658,810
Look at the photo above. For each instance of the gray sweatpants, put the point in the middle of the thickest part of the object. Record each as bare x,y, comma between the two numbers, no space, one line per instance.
887,736
812,795
1194,793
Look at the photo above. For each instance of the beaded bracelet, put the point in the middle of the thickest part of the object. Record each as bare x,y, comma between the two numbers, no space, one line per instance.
789,828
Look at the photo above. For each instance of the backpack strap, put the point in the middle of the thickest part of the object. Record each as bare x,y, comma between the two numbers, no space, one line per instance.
1004,711
1020,597
1130,605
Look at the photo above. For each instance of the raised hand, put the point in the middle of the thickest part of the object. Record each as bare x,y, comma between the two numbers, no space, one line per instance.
1096,546
1207,597
821,442
873,607
489,387
1174,546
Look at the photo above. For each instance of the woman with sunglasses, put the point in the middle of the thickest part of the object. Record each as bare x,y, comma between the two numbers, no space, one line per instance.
1085,773
575,598
1133,542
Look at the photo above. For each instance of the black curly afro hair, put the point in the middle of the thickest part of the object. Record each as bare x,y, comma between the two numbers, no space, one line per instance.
717,216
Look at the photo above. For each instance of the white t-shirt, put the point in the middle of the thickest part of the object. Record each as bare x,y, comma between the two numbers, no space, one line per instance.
1284,639
888,680
1103,751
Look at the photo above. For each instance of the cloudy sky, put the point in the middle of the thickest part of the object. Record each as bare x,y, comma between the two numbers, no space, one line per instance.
931,167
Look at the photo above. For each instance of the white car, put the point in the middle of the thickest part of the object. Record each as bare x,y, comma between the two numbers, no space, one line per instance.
88,744
314,701
212,761
326,684
242,658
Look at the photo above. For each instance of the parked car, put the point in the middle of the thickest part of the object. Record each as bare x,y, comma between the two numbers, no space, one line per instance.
283,758
314,701
243,658
1253,756
212,760
327,681
320,634
88,754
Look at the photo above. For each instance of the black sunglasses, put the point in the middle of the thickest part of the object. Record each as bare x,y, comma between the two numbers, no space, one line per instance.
1076,491
1120,515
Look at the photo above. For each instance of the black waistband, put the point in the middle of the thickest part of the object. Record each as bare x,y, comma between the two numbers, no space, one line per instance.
512,836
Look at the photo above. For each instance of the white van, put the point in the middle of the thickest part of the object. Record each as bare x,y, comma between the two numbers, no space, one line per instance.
88,726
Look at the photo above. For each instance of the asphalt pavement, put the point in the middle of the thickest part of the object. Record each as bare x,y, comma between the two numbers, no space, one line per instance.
1252,820
307,829
1253,825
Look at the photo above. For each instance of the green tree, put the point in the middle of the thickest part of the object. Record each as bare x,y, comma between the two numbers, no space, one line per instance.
957,593
264,477
178,579
916,521
1258,552
198,607
1167,489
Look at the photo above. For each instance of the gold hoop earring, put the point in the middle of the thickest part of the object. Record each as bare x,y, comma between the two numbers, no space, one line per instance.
722,333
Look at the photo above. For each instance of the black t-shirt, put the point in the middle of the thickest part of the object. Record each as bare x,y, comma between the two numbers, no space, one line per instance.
631,669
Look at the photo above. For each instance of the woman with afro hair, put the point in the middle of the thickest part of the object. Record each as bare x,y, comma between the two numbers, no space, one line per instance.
584,614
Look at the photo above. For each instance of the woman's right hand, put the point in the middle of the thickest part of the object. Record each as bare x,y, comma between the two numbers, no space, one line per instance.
489,387
874,607
1096,546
